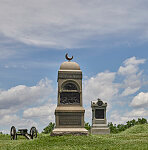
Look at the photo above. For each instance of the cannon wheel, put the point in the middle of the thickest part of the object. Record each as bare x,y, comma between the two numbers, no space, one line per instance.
13,133
33,132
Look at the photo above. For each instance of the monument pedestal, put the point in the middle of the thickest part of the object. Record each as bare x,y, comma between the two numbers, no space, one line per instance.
69,120
100,129
67,131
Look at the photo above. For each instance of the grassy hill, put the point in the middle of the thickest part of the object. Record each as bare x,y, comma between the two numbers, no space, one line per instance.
133,138
136,129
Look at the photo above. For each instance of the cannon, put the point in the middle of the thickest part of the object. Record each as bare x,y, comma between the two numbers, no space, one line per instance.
23,132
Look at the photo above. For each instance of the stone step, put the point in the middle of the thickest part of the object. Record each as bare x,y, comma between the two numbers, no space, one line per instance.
66,131
100,131
100,126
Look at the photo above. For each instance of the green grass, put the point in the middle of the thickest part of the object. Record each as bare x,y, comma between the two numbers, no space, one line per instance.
137,129
133,138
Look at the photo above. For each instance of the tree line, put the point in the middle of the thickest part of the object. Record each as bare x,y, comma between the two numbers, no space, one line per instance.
113,127
121,127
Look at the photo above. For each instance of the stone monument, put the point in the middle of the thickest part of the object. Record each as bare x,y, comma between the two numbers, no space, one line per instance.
69,113
99,122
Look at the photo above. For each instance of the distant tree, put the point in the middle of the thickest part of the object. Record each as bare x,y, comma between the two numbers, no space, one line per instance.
141,121
113,128
128,123
121,127
49,128
87,126
144,121
1,132
133,122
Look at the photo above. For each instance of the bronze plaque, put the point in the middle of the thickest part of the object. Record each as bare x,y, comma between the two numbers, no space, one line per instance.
70,119
99,113
70,98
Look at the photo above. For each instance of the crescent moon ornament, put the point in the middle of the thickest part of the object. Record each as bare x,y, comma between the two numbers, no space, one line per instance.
69,59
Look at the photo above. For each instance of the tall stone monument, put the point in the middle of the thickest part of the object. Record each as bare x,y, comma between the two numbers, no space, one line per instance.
69,113
99,122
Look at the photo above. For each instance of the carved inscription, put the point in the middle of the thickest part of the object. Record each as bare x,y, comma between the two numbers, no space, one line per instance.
69,76
70,119
70,98
99,113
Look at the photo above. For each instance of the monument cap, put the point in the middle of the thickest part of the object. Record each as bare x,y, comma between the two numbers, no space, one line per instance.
69,66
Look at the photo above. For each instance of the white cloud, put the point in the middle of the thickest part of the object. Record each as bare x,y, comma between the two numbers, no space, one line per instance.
44,114
115,117
130,70
15,100
88,114
101,86
130,66
105,84
140,100
129,91
4,112
21,95
121,118
141,112
40,112
134,61
13,120
66,23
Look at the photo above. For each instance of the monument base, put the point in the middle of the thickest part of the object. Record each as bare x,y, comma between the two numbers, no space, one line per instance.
69,131
100,129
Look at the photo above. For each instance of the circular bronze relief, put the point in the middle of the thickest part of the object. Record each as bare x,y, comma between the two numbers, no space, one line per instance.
100,103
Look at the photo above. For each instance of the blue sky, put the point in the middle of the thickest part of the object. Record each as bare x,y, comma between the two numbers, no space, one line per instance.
108,39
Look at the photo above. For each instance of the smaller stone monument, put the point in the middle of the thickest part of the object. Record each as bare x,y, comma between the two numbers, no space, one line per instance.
99,122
